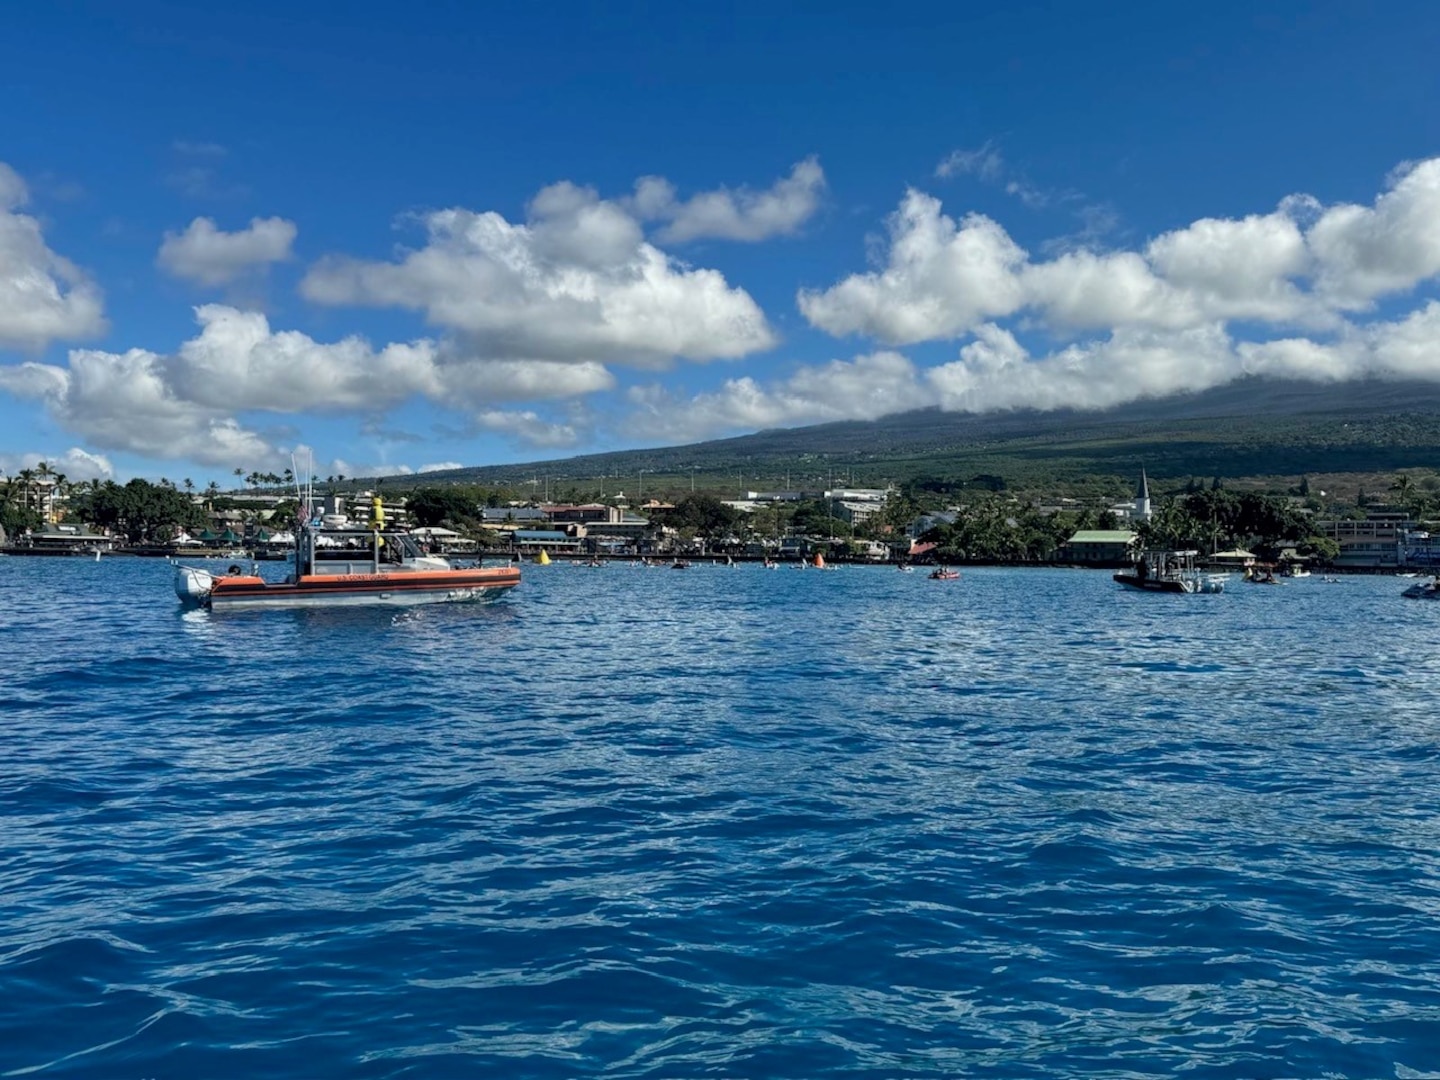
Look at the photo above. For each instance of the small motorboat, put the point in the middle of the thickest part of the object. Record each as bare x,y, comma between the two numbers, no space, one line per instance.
941,573
1423,590
343,568
1169,571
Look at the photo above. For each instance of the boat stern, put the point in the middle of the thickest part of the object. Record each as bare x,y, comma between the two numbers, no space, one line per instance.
192,584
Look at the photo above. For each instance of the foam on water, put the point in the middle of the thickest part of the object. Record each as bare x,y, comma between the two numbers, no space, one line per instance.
722,822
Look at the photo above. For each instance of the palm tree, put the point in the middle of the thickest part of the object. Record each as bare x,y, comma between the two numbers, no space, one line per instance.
1403,486
59,491
27,487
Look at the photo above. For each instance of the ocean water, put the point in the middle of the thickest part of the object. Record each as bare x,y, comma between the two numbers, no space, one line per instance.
721,823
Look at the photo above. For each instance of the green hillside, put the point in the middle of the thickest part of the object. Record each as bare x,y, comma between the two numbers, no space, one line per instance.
1250,430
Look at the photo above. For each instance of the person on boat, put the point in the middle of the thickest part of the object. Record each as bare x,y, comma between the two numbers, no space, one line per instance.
1142,570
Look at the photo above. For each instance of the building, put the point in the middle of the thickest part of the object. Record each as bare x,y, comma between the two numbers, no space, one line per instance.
1420,548
1376,542
620,531
497,517
925,522
1098,547
855,513
1137,511
531,541
66,540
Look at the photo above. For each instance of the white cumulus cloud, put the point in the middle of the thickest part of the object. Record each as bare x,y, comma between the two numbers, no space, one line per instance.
739,214
43,297
941,279
1407,348
122,401
1366,252
1300,265
576,283
529,428
1082,290
210,256
73,464
239,363
865,388
996,372
472,381
187,403
1239,269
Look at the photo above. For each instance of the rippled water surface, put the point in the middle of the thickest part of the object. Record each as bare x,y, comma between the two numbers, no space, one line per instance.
722,823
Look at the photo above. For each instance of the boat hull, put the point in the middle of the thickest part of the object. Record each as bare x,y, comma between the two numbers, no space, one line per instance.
1152,584
243,593
1200,584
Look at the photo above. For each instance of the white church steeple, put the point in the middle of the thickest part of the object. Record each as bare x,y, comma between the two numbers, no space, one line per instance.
1142,500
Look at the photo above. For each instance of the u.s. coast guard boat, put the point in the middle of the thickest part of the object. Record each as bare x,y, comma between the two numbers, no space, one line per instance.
343,568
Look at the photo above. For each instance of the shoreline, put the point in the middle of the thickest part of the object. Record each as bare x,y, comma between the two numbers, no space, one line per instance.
167,552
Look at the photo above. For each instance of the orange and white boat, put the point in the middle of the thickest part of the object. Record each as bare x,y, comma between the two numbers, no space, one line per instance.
344,568
341,569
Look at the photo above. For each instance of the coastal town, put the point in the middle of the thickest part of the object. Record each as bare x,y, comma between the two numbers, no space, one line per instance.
41,514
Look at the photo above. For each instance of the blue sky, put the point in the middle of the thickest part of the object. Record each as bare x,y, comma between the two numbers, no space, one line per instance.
469,234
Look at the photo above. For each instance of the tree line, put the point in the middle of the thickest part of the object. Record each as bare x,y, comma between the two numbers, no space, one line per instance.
989,526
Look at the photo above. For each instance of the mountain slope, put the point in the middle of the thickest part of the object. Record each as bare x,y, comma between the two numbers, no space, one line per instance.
1252,427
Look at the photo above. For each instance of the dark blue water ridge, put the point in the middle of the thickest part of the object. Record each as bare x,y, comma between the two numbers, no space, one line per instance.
720,822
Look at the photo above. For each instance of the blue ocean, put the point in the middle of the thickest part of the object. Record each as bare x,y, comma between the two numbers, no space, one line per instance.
721,822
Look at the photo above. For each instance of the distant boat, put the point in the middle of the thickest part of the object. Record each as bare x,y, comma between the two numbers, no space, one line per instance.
1169,571
1424,590
941,573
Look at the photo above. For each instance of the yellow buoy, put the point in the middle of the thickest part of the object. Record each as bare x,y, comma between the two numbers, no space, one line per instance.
543,559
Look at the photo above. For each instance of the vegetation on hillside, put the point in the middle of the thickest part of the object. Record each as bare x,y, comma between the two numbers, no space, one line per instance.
1254,429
